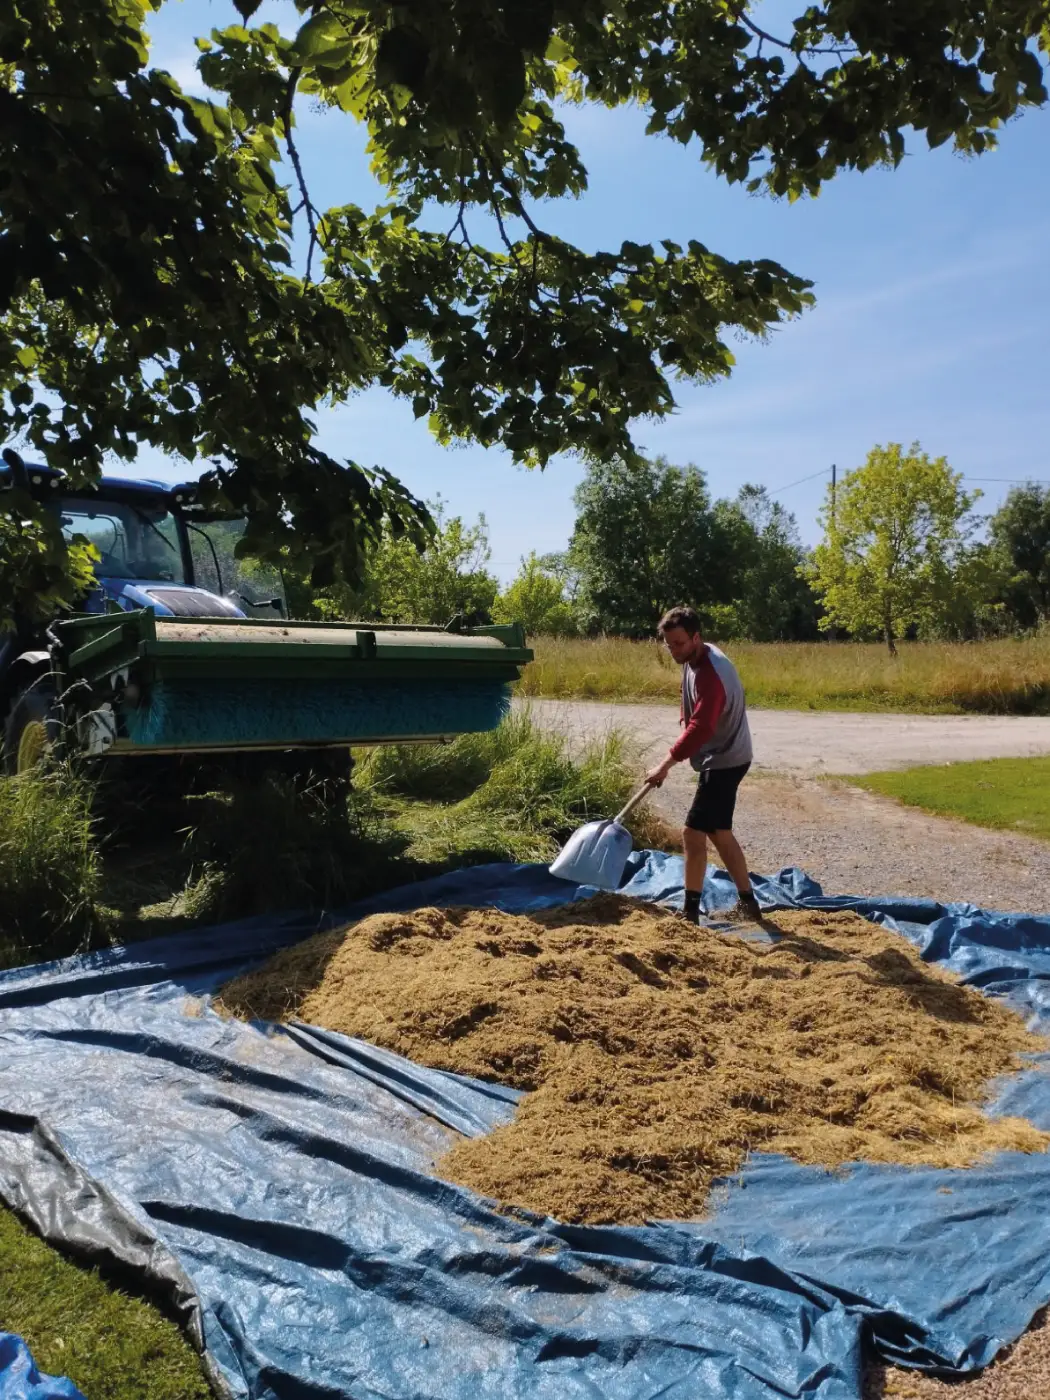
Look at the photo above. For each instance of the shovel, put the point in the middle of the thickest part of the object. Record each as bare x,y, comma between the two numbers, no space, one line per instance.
597,853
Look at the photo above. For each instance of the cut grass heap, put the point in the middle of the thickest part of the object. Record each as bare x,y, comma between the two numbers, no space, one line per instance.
657,1055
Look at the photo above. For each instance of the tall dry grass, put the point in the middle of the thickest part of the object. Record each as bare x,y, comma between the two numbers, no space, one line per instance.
1000,677
50,870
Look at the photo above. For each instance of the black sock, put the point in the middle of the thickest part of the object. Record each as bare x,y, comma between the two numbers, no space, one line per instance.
692,904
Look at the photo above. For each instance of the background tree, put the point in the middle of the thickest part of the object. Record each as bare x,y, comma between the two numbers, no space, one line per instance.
895,547
402,584
147,290
1019,533
536,598
774,601
646,537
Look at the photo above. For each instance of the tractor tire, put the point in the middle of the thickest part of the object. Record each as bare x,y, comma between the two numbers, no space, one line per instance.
31,730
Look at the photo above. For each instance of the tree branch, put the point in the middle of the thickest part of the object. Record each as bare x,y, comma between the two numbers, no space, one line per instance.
741,15
305,204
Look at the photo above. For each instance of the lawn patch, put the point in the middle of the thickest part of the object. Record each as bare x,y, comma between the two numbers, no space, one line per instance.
1007,794
111,1346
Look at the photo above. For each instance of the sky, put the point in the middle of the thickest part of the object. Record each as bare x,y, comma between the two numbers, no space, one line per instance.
932,321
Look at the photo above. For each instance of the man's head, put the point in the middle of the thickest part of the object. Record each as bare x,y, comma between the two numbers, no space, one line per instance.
679,629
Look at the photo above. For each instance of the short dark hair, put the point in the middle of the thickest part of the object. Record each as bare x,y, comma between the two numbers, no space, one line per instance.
683,617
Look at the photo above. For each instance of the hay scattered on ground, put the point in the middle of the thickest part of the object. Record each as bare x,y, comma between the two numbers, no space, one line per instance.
659,1055
1020,1372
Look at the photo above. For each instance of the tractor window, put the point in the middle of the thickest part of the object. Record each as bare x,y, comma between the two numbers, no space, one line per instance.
249,581
135,541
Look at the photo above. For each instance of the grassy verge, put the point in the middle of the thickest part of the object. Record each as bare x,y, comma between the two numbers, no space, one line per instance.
50,872
1008,794
113,1347
1001,677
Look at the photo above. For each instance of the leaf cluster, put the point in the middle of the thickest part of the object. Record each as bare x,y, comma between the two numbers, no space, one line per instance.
39,574
149,293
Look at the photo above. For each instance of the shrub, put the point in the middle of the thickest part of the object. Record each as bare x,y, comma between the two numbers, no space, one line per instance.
515,793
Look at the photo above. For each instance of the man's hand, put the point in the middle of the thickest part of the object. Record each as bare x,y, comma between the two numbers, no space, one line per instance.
656,775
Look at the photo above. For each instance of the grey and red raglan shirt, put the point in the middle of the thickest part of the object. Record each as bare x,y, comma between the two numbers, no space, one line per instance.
715,732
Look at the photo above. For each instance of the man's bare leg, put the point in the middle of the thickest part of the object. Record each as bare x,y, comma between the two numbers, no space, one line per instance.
694,846
734,860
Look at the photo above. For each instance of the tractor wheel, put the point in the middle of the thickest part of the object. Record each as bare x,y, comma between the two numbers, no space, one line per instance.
31,729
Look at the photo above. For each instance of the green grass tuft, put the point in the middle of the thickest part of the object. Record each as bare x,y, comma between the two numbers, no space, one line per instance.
1007,794
50,872
113,1347
265,846
512,794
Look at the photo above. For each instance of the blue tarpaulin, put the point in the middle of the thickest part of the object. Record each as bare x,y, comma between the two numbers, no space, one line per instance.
277,1188
21,1380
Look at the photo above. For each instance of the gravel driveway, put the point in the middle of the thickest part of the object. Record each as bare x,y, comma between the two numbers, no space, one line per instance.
848,839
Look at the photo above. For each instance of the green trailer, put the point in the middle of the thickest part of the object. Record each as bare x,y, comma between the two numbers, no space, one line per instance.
134,683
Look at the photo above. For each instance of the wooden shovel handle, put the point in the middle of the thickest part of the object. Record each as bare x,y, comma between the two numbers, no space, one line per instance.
633,802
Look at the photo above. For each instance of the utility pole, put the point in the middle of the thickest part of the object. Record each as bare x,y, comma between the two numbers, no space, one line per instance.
832,634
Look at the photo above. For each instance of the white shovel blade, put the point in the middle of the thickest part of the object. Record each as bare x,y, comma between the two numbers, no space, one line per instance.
594,855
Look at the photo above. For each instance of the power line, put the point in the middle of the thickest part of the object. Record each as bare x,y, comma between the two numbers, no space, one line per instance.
791,484
999,480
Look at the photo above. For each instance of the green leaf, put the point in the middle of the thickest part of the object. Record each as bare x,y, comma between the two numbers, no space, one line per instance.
321,32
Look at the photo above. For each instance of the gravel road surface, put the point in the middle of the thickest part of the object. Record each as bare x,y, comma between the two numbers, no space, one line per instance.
850,840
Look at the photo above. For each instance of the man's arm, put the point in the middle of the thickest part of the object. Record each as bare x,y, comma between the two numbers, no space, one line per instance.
710,702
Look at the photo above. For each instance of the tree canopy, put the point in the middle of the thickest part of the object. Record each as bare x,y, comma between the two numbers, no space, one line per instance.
535,597
646,537
1020,537
772,602
147,285
404,584
895,550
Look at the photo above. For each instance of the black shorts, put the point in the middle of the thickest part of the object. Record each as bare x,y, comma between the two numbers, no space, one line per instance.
715,799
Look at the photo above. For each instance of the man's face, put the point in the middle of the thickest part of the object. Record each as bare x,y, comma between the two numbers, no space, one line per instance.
682,645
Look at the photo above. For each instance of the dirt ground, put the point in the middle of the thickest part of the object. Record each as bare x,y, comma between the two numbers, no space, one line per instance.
813,742
852,841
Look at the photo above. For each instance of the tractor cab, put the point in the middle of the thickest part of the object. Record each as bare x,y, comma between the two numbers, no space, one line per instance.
157,549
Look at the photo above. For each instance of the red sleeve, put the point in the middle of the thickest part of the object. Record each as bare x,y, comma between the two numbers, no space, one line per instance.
710,702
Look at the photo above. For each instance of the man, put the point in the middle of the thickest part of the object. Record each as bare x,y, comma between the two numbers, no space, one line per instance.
717,742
